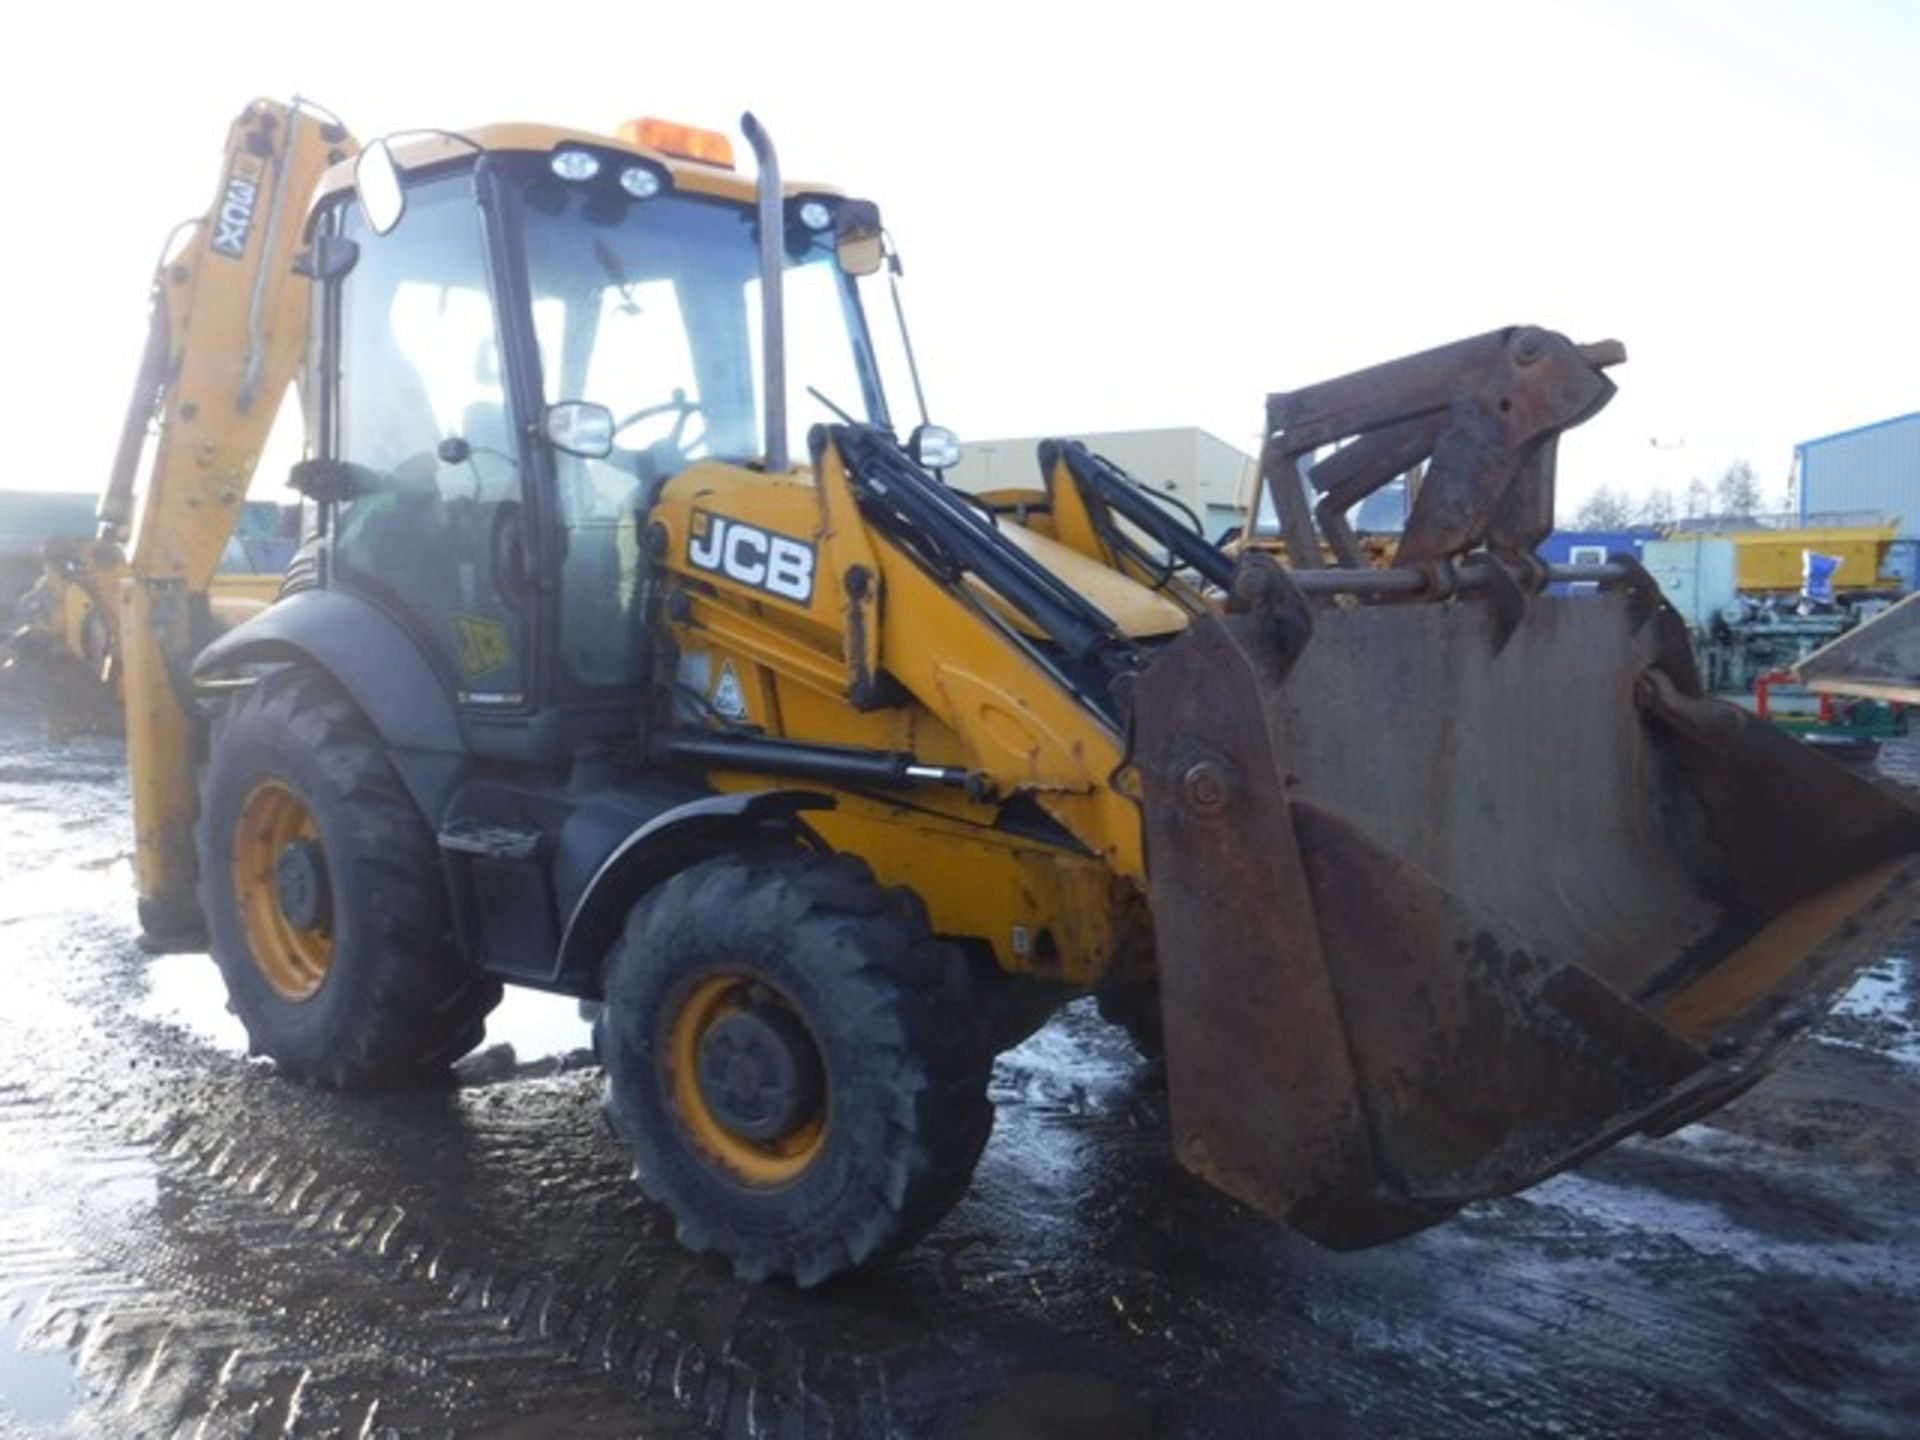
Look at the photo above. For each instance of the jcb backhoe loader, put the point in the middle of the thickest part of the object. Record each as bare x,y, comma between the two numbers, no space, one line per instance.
825,780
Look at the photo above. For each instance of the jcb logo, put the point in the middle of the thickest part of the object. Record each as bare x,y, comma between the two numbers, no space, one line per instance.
778,564
233,221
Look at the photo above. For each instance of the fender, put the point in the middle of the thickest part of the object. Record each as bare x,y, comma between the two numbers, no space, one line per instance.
659,849
382,668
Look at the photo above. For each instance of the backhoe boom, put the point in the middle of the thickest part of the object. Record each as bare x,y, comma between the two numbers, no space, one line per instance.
228,332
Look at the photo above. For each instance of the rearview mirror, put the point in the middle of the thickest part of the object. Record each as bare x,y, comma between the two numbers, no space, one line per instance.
580,427
376,181
856,237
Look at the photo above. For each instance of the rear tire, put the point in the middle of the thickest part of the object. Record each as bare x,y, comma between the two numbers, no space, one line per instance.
877,1137
321,885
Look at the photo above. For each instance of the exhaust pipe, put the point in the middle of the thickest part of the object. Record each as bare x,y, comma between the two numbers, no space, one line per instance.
772,308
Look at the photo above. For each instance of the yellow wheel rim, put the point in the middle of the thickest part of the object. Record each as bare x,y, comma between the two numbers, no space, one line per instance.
753,1162
292,959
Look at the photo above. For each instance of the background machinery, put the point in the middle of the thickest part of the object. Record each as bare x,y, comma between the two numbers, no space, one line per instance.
825,780
60,644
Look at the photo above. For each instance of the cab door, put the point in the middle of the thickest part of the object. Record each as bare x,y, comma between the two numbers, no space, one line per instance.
432,529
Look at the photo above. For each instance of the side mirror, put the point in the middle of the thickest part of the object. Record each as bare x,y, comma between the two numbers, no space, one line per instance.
376,182
934,446
580,427
856,237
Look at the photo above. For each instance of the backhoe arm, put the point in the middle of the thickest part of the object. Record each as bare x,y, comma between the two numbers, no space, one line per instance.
229,325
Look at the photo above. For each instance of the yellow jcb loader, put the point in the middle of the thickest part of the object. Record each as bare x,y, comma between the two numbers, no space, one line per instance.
826,781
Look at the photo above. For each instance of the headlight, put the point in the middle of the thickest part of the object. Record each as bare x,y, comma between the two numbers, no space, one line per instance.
575,164
639,182
815,215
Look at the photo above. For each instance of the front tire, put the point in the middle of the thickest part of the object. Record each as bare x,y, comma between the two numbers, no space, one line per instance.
798,1066
321,885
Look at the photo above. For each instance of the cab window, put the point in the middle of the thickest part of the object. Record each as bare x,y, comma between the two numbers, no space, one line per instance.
423,413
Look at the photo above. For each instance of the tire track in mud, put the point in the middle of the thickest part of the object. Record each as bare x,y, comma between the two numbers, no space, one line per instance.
630,1311
668,1332
221,1252
225,1300
205,1284
298,1225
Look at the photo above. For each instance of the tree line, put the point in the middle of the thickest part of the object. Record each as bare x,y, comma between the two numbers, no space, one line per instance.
1735,495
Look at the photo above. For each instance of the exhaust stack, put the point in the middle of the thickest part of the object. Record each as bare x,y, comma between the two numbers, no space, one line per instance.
773,328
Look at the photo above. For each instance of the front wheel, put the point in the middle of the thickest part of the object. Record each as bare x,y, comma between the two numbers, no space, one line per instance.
798,1066
321,886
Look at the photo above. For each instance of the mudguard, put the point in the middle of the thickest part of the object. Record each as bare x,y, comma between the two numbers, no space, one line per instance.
383,669
664,845
389,675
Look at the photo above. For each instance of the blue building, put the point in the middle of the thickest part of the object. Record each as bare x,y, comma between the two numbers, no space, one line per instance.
1867,475
1582,547
1590,547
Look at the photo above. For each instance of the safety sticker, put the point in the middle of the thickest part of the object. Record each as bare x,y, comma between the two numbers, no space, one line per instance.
486,645
729,696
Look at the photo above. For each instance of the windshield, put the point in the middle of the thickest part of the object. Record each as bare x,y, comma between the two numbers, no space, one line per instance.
652,308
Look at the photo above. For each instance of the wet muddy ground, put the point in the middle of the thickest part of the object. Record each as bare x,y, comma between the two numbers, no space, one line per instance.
190,1246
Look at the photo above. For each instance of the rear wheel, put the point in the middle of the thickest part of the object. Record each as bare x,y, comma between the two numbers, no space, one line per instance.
321,886
797,1064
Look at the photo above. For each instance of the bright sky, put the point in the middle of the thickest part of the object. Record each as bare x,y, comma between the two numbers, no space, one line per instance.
1113,222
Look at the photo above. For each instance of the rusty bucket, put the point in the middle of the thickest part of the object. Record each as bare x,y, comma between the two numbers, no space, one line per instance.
1444,903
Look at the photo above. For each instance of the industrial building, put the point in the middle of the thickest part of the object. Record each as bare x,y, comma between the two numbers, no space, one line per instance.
1867,474
1196,467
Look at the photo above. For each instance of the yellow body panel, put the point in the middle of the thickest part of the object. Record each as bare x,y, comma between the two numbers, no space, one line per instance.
1044,911
1135,609
975,700
1073,523
1770,560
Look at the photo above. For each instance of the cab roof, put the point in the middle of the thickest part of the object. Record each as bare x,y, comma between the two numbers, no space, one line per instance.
413,149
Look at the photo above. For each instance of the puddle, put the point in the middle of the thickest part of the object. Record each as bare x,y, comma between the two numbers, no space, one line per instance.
186,991
39,1387
118,1182
1877,1014
1636,1213
1074,1062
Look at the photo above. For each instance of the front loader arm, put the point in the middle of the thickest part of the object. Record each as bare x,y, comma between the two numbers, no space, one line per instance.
228,328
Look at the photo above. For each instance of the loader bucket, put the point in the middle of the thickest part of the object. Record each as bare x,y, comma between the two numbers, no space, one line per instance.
1444,904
